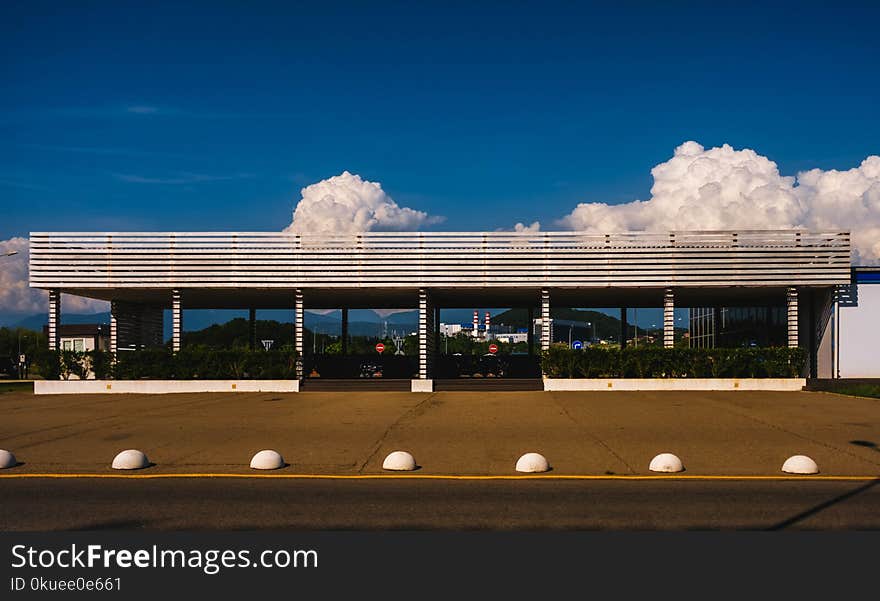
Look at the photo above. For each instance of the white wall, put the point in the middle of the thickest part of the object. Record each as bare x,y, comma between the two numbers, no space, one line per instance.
161,386
614,384
859,350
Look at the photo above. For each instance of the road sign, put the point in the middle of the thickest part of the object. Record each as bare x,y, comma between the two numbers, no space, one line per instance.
493,348
22,359
267,344
380,348
577,345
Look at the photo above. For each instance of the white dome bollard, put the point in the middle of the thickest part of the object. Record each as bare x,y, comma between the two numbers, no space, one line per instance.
132,459
666,462
531,463
7,459
267,460
399,461
800,464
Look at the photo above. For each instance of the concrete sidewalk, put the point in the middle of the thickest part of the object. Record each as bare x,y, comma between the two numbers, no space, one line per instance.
607,433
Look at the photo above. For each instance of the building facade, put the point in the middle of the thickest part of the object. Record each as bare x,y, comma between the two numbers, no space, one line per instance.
857,333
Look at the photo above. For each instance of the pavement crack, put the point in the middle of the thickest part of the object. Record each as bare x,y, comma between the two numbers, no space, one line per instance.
415,410
598,440
822,443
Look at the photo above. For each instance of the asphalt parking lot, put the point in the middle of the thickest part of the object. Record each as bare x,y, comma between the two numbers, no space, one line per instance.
599,446
449,433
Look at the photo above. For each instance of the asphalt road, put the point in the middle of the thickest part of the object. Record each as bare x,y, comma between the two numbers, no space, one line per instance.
263,504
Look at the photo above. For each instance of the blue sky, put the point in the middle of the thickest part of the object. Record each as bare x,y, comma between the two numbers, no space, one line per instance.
212,116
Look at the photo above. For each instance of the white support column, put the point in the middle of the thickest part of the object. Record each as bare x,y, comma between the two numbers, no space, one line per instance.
176,320
546,321
299,326
426,335
791,301
114,326
668,318
54,319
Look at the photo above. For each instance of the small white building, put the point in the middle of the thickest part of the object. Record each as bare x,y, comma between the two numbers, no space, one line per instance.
450,329
511,338
83,337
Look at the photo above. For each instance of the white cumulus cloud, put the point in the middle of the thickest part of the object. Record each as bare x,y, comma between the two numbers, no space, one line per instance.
724,188
346,203
17,297
528,229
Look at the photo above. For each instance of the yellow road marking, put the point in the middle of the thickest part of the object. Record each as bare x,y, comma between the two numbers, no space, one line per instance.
439,477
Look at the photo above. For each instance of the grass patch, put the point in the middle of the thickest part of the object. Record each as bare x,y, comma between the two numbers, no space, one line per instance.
867,390
16,387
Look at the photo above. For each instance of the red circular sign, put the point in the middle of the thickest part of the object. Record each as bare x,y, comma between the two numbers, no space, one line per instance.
380,348
493,348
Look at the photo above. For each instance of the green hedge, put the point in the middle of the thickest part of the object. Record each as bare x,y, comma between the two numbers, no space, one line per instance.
162,364
557,362
653,362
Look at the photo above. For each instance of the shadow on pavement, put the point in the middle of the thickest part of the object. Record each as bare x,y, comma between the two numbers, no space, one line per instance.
823,506
865,443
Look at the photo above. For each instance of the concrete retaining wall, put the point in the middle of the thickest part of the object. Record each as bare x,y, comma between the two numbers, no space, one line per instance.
596,384
161,386
550,384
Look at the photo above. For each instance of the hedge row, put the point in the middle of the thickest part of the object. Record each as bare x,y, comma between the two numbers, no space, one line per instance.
557,362
161,364
653,362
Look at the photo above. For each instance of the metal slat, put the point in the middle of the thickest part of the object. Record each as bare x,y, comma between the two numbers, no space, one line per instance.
392,259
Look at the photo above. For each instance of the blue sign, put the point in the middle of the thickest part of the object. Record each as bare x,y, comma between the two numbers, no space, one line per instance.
577,345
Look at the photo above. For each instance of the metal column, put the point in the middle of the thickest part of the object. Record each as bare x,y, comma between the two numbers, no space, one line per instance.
299,326
252,328
436,331
176,320
426,335
546,323
344,331
114,326
531,331
54,319
791,300
668,318
623,327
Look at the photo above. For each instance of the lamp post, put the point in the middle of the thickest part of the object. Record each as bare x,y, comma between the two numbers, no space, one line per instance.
20,362
636,319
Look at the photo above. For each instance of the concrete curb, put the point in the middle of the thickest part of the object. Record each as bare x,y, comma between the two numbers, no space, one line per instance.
161,386
635,384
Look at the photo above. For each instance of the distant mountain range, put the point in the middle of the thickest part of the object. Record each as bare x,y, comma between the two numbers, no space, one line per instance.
366,322
200,319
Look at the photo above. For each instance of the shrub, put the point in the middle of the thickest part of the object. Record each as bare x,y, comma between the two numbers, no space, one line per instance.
206,364
48,364
653,362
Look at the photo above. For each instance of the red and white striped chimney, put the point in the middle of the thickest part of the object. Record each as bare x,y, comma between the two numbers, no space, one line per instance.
476,323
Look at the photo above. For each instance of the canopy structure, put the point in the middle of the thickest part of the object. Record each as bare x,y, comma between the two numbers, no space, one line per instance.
142,273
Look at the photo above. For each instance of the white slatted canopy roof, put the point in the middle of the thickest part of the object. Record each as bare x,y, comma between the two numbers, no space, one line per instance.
149,264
